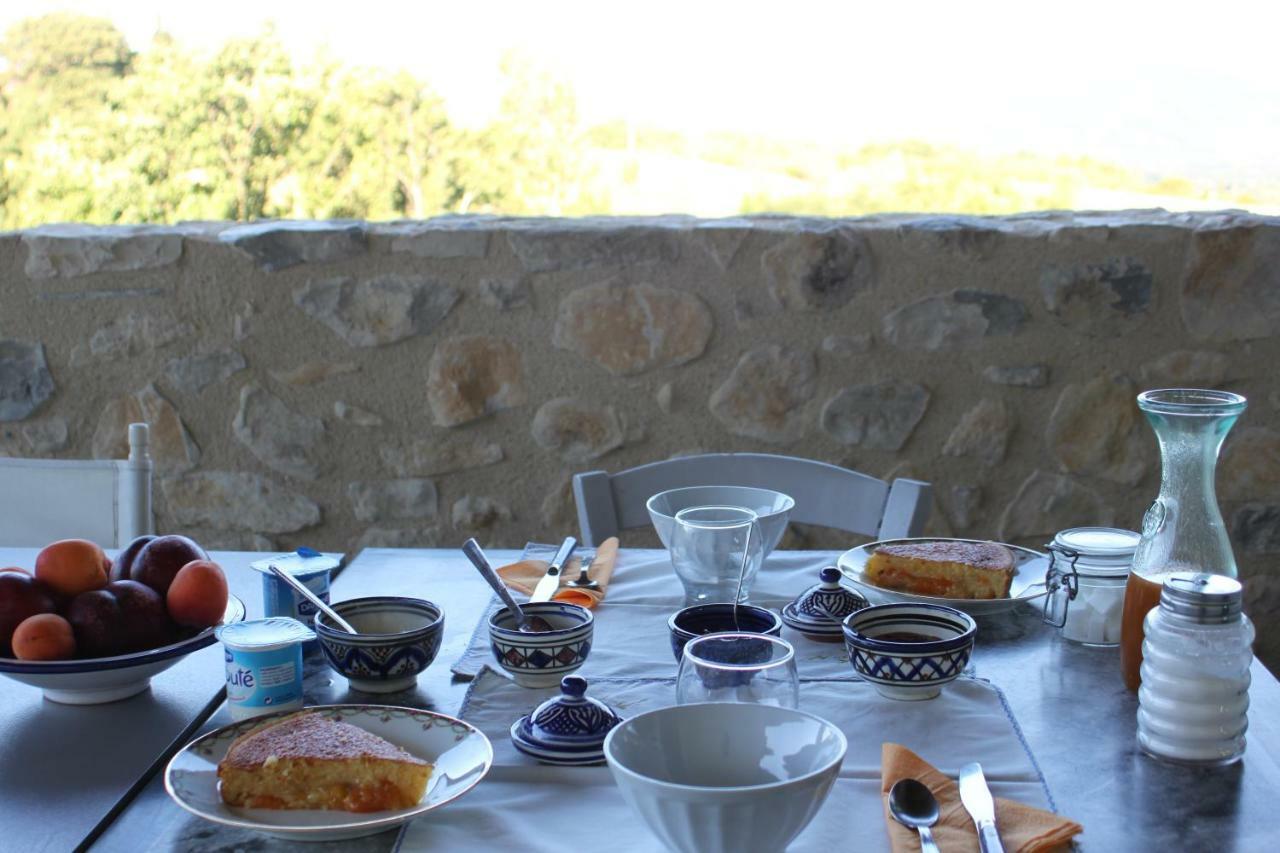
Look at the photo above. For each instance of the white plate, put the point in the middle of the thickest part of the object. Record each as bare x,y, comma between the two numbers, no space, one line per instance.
460,752
92,681
1028,578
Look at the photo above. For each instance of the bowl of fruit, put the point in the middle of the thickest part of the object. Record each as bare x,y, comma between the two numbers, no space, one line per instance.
86,629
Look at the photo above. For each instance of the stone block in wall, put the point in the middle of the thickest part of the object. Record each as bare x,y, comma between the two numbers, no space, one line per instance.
628,329
280,437
818,270
45,435
428,457
961,318
236,500
575,430
548,245
471,376
69,251
277,245
982,432
764,396
442,239
1017,376
876,416
134,333
410,499
1185,369
971,238
191,374
1250,465
1255,529
1232,287
1101,300
1095,430
721,240
173,450
355,415
399,537
377,311
478,512
1046,503
311,372
25,380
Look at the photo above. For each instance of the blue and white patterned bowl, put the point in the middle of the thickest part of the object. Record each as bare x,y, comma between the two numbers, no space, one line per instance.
398,638
717,619
567,729
542,658
909,669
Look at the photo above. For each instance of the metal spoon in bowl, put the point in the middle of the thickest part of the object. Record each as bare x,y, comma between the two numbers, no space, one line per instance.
302,590
912,804
526,624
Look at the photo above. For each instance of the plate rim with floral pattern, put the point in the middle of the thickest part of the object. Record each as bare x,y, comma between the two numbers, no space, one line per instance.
1026,586
200,757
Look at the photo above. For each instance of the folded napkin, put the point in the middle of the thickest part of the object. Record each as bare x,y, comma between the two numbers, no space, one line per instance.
1022,828
524,575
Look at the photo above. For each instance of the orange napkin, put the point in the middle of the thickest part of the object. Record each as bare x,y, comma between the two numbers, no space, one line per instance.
1022,828
524,575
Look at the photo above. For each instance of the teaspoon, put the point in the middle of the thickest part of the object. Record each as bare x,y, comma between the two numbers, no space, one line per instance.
526,624
912,804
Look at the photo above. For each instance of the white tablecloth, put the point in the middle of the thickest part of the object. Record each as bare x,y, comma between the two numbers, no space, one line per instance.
631,633
530,807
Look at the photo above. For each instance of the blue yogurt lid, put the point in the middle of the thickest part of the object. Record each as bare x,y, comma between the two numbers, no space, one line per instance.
262,634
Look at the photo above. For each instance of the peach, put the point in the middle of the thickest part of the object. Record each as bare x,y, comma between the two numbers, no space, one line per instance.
72,566
45,636
197,597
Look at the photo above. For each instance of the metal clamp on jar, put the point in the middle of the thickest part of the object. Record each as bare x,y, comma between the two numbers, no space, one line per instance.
1085,583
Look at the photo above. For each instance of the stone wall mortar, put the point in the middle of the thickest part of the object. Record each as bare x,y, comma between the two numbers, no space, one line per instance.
816,337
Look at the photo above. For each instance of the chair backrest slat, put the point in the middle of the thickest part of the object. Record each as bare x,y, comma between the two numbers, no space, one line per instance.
826,495
105,501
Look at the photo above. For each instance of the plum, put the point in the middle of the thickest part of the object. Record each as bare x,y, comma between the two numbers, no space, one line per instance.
161,558
124,560
98,623
21,596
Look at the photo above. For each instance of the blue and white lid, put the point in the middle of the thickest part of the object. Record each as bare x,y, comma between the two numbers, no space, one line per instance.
822,608
566,729
264,634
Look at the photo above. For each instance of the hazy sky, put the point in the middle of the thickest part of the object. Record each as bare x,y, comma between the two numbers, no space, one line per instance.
1172,87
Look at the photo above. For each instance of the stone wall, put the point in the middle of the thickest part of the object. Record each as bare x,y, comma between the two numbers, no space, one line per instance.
350,384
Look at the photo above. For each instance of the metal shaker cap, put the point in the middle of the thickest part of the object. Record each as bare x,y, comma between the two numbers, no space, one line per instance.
1202,598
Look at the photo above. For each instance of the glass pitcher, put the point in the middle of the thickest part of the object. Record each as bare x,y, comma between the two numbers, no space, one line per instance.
1183,530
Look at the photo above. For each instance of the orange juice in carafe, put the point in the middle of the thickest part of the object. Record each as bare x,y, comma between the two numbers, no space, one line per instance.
1183,530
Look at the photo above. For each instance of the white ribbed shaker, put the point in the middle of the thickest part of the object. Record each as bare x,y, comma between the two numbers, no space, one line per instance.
1195,672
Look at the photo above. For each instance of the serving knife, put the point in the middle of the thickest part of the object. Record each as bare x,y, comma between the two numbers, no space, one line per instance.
551,580
976,797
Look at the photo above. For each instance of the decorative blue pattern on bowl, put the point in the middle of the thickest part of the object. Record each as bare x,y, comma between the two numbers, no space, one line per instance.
819,611
902,669
542,658
398,639
567,729
717,618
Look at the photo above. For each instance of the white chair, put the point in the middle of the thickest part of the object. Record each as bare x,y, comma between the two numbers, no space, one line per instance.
825,495
103,500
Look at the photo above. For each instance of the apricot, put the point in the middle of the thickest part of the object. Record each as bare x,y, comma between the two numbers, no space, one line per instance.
45,636
198,595
21,597
72,566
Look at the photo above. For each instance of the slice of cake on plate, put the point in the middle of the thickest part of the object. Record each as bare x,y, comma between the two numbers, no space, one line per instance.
943,568
310,761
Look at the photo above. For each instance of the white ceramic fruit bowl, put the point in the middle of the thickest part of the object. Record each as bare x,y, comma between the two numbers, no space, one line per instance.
725,777
93,681
773,509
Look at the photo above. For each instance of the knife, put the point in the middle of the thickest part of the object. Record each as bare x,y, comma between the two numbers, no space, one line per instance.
977,801
551,580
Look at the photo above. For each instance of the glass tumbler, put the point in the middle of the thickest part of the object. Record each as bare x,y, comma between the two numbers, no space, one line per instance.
758,669
716,552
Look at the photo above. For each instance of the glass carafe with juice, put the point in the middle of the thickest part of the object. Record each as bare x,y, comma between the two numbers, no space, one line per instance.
1183,530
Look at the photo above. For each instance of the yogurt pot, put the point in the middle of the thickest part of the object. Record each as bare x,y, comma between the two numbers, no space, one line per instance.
310,567
264,665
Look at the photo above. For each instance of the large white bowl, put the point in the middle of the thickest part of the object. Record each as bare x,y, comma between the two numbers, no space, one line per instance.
772,508
93,681
722,777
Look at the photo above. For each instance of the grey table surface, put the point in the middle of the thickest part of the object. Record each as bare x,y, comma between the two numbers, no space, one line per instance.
64,767
1077,717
